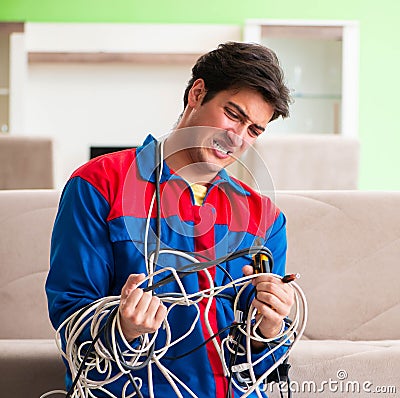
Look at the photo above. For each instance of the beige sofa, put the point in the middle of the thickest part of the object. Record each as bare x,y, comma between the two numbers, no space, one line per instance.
345,244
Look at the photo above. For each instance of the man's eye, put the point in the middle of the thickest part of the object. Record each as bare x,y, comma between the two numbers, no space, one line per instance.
254,132
231,114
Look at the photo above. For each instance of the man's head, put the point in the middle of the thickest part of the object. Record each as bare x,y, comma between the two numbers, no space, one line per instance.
235,91
242,65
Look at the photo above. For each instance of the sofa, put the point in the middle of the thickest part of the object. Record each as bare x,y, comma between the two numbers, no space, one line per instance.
345,245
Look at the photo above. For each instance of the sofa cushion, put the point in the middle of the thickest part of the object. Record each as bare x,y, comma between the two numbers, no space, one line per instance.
29,368
340,368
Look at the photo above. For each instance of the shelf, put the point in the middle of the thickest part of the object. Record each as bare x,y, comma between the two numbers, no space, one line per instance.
307,32
108,57
337,97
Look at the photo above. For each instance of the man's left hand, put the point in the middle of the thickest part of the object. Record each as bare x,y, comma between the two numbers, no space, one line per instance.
274,300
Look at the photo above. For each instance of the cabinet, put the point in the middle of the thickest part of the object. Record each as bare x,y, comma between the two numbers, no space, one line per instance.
320,60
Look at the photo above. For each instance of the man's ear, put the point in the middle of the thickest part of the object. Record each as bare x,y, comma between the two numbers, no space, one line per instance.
197,93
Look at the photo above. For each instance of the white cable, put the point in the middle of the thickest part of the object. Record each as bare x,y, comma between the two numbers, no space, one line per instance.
48,394
103,360
150,211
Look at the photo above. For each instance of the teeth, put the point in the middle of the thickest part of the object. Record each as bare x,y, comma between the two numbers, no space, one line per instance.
221,148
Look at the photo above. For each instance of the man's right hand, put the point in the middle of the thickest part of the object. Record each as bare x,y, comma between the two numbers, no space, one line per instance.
140,312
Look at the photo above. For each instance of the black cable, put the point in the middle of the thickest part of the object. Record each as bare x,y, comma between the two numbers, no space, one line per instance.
158,200
86,356
180,295
196,267
232,361
277,371
108,346
202,344
135,367
289,388
135,386
107,343
218,265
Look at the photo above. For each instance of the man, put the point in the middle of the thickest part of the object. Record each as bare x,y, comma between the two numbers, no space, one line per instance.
108,226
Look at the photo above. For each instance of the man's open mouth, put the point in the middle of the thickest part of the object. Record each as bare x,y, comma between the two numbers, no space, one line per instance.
220,148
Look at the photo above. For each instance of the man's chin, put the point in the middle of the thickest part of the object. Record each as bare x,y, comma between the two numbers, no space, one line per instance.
209,167
200,171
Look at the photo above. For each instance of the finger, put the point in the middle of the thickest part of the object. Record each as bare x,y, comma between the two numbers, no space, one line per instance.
282,292
270,314
148,315
144,316
142,306
248,270
277,289
161,314
271,302
131,284
129,304
266,278
157,312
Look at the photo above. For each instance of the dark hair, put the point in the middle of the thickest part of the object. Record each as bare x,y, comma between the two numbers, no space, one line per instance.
242,65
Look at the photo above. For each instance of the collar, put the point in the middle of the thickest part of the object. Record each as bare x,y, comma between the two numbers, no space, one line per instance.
146,161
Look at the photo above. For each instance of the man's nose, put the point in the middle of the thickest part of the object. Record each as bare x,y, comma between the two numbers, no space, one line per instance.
236,135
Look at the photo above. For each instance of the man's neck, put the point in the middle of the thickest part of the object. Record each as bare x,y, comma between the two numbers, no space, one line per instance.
180,162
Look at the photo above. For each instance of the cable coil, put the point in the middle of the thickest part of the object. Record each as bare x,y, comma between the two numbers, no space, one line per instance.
103,317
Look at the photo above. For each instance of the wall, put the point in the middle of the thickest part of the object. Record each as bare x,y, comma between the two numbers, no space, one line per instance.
379,57
113,103
83,105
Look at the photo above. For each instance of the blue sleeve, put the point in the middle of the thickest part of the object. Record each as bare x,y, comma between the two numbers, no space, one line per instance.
81,257
276,241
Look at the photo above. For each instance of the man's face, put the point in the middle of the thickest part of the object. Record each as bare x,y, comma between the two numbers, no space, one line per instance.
238,116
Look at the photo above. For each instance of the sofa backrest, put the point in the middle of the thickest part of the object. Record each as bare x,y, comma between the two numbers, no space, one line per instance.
346,246
26,220
26,162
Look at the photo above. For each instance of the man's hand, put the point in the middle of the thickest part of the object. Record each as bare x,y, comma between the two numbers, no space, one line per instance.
273,300
140,312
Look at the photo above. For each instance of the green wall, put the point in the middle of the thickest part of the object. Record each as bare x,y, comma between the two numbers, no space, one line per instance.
379,52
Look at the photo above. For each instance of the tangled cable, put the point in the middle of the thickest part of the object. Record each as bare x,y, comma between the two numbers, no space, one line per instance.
108,348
